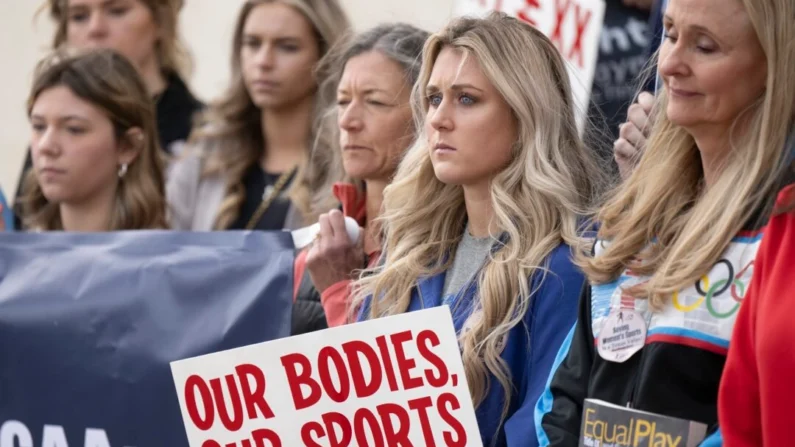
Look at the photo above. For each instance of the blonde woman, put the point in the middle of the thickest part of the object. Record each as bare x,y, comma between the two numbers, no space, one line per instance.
247,164
145,32
96,159
483,213
677,241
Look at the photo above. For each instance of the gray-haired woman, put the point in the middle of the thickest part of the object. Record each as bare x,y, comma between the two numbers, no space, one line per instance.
376,71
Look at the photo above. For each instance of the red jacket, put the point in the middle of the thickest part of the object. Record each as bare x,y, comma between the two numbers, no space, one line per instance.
757,394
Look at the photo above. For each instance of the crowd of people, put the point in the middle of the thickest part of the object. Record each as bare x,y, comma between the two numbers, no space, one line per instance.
459,155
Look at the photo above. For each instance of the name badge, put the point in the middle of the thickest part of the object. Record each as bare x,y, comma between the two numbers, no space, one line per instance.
622,335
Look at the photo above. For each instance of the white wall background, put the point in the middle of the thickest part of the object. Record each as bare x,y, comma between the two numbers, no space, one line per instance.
207,28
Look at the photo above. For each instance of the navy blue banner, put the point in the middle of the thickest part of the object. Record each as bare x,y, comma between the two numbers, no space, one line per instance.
90,322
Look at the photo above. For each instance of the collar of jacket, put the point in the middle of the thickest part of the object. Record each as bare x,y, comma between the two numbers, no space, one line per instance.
429,289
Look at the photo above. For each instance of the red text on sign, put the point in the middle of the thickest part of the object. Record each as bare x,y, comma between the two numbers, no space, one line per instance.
209,397
565,12
340,373
524,13
388,426
259,438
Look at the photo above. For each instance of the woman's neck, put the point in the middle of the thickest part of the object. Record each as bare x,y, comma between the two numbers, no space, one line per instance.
480,210
714,145
93,215
153,78
374,199
285,132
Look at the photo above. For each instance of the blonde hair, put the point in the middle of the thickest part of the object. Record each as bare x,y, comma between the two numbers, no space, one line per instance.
536,199
663,213
108,81
172,55
233,124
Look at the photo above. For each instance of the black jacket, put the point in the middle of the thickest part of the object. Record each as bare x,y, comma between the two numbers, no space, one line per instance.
676,372
175,110
308,313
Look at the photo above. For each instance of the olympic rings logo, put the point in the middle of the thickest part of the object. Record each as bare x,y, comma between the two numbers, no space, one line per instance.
707,292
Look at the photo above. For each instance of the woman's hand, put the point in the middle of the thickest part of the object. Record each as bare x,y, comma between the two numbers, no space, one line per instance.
633,134
333,257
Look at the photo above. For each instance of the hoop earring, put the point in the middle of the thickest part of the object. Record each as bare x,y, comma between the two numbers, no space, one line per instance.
122,170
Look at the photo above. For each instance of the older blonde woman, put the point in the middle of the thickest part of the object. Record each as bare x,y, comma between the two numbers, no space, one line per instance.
677,240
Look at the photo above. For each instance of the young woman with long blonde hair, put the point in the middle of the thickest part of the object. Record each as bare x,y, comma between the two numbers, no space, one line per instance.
97,164
247,163
677,240
485,211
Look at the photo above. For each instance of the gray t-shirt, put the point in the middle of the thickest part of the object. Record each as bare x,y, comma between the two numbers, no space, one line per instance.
469,257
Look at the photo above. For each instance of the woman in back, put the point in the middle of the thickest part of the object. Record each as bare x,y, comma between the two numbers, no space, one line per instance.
484,213
146,33
96,158
677,240
247,165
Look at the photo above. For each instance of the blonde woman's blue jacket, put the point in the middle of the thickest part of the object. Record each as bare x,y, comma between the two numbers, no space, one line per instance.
530,347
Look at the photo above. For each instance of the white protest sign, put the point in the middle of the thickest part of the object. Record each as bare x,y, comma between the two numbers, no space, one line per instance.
573,26
392,382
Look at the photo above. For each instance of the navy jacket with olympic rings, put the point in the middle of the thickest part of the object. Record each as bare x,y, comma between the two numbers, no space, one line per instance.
676,373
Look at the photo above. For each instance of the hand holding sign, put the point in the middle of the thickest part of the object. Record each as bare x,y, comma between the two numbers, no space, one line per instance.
397,381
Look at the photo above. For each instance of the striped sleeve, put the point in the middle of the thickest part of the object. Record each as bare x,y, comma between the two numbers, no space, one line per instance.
714,440
559,408
554,308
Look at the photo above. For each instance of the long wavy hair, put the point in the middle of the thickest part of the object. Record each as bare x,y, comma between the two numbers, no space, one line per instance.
172,55
537,199
108,81
787,203
234,128
662,221
401,43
